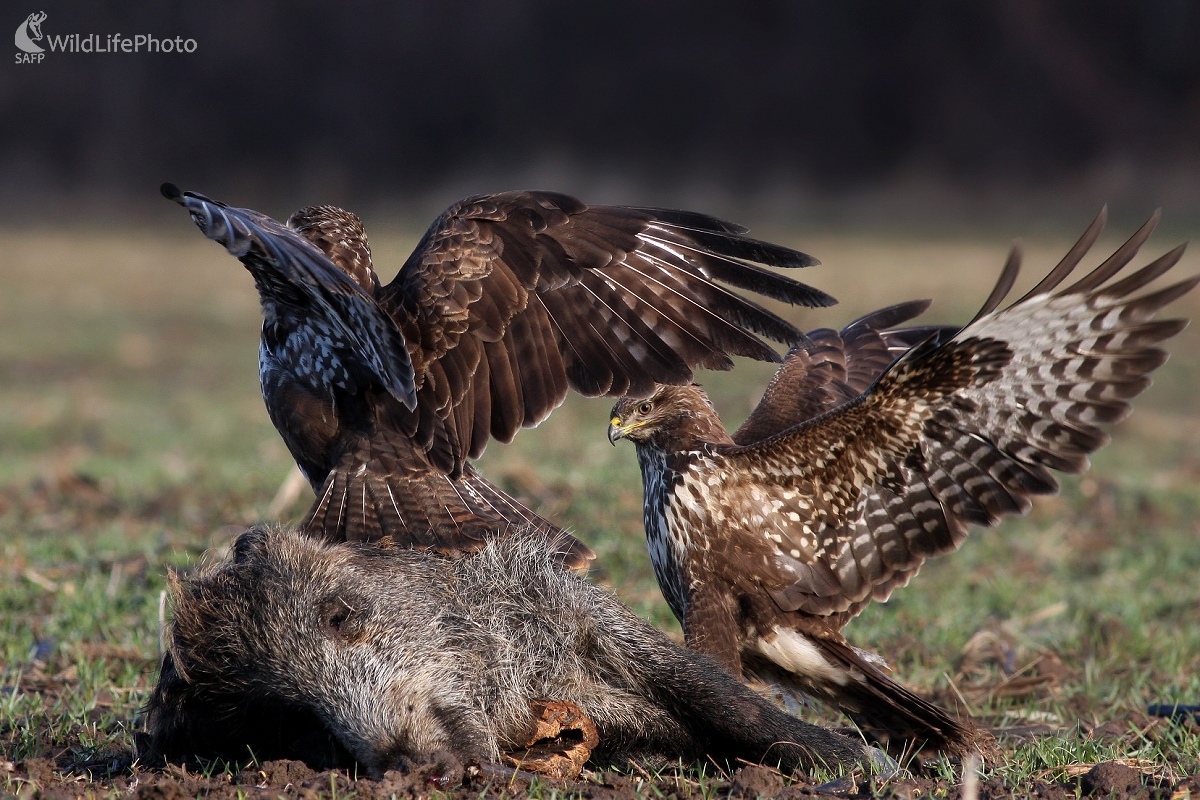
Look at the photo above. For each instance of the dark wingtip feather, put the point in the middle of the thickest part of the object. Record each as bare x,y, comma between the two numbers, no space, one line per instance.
690,219
889,316
1117,261
1071,260
1162,297
1004,284
747,248
730,269
818,299
1147,273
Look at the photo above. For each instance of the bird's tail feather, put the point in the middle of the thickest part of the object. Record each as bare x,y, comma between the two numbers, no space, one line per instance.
452,514
885,710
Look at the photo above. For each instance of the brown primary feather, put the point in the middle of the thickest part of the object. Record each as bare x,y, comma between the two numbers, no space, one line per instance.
856,468
606,300
383,392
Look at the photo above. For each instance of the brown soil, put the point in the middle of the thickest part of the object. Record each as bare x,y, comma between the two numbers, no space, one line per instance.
119,775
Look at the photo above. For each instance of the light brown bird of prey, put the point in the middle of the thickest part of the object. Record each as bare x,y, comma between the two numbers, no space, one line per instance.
383,392
857,466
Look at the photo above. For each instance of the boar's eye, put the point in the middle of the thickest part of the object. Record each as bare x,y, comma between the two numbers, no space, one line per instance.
342,616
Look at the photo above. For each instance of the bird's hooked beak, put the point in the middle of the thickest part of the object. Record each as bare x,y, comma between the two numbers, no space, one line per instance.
616,430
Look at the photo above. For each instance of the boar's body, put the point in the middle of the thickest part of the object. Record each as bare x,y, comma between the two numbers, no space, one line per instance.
393,656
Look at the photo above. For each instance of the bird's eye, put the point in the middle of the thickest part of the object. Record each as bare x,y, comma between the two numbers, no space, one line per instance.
645,407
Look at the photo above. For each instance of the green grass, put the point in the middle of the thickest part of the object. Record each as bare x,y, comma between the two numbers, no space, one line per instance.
132,438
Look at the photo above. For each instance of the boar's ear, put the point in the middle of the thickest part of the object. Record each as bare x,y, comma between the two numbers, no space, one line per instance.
250,544
342,617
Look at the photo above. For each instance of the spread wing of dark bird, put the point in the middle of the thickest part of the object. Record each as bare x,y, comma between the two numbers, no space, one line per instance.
507,302
874,449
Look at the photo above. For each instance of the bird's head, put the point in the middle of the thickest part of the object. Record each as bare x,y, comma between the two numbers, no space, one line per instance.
672,418
339,234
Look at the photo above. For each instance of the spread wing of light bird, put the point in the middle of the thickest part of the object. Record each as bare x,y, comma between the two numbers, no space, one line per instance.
383,392
874,449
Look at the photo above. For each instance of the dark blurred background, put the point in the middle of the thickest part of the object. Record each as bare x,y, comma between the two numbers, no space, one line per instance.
807,109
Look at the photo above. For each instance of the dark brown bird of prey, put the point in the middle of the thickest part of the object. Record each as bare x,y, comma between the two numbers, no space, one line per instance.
383,393
872,450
